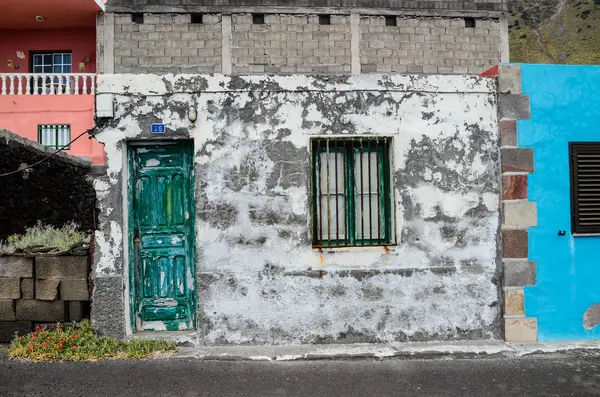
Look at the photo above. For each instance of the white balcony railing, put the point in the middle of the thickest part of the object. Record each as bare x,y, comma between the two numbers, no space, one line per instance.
47,84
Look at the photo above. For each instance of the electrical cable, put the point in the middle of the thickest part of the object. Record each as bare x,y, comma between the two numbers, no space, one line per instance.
49,156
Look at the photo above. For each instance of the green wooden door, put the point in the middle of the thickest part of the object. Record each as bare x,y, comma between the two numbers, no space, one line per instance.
162,239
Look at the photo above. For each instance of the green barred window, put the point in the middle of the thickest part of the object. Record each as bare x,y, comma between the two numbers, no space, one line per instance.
351,192
54,135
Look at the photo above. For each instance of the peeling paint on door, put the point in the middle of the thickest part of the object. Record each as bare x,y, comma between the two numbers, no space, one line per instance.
162,238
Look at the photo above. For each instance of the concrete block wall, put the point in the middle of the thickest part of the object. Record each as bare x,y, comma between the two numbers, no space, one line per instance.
42,289
428,45
290,44
167,43
297,43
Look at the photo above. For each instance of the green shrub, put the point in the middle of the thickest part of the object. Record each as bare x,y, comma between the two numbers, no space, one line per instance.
76,342
44,236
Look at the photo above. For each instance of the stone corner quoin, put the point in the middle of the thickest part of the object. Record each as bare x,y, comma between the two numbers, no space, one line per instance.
518,214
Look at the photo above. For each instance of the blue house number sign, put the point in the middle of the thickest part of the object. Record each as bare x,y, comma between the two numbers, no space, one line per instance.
158,128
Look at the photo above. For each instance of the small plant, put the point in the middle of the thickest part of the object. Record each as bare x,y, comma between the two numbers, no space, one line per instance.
76,342
44,237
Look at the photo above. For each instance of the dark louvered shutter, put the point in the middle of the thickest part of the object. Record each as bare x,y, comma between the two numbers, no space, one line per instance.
585,187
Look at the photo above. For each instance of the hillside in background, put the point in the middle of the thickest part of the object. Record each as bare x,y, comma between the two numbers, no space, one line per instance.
555,31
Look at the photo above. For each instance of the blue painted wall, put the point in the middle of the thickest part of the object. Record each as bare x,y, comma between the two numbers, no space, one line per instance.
565,107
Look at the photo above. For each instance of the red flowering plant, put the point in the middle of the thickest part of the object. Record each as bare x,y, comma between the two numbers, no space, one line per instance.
80,342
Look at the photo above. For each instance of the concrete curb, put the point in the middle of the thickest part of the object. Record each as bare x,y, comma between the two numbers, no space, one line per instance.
403,351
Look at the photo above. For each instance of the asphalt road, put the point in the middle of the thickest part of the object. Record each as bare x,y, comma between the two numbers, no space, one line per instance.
557,375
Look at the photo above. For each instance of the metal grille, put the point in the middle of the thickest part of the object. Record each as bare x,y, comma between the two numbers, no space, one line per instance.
585,187
54,135
351,192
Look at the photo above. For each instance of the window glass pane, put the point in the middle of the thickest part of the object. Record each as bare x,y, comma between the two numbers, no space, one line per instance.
64,135
368,218
333,222
37,60
67,59
47,59
362,161
368,209
67,69
47,69
37,69
329,182
57,59
332,202
58,69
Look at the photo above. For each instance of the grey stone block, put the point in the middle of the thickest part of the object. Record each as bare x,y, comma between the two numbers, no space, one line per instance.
27,288
516,107
517,160
74,290
16,266
62,267
35,310
7,310
519,273
78,310
47,290
109,306
10,288
520,214
509,79
508,133
10,329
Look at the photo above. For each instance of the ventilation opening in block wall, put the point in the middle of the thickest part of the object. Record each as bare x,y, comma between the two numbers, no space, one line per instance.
324,19
258,19
469,22
196,17
137,17
391,20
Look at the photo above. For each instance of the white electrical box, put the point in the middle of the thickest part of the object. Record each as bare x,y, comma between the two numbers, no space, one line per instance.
105,106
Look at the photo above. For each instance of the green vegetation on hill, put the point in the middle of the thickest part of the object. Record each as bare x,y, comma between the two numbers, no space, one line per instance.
553,31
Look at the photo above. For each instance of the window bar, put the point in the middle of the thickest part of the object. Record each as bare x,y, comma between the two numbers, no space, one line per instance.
378,186
362,197
346,204
328,194
319,204
337,207
385,158
370,200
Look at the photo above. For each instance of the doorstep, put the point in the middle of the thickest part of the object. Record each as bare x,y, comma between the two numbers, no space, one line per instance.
416,350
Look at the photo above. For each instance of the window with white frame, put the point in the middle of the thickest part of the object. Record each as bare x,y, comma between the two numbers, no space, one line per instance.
52,62
56,62
55,136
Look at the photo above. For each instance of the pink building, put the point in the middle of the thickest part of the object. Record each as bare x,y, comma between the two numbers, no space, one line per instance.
48,72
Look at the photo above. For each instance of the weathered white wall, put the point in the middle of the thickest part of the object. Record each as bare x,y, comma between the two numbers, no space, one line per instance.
259,279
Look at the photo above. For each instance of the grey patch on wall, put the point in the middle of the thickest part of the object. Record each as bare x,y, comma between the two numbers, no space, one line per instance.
336,308
591,317
108,306
291,164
